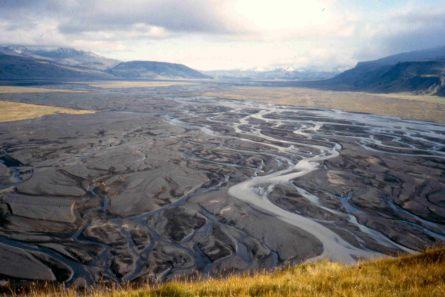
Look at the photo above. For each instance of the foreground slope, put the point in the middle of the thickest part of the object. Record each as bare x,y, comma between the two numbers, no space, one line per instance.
412,275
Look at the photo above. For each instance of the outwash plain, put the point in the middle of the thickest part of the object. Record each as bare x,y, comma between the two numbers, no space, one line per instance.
149,183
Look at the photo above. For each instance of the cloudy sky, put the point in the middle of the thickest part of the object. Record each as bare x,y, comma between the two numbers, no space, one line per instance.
229,34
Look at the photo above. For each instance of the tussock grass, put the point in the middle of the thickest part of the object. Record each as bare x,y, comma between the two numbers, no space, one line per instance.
420,275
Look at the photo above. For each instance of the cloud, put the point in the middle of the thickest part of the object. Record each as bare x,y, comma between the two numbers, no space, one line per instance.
104,15
228,33
416,30
415,27
243,19
100,24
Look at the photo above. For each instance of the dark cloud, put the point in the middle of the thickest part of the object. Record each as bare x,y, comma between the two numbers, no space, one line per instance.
184,16
406,31
102,15
418,30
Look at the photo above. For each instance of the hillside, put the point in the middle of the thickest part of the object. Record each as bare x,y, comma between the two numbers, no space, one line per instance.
26,68
65,64
153,70
423,77
411,275
420,72
62,56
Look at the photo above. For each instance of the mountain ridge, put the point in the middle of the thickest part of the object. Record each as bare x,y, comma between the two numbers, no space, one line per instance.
420,72
61,55
19,62
26,68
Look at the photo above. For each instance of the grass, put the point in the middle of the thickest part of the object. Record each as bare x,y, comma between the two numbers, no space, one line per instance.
420,275
14,111
403,105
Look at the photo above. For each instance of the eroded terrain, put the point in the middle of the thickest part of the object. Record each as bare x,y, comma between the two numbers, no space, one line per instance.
163,183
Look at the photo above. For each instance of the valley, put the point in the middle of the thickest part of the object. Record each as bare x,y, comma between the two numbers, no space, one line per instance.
181,181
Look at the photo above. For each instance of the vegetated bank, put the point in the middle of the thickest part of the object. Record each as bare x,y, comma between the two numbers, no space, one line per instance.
408,275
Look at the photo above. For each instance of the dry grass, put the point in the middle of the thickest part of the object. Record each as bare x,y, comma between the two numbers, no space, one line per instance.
27,90
420,275
137,84
407,106
14,111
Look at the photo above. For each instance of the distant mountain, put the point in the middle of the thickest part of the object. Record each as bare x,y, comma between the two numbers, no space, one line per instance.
274,74
61,64
63,56
13,67
419,72
153,70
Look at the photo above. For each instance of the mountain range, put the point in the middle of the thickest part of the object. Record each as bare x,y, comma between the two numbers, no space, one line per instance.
61,64
279,74
421,72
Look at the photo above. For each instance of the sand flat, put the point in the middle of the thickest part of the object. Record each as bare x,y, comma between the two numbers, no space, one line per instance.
137,84
20,89
406,106
14,111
